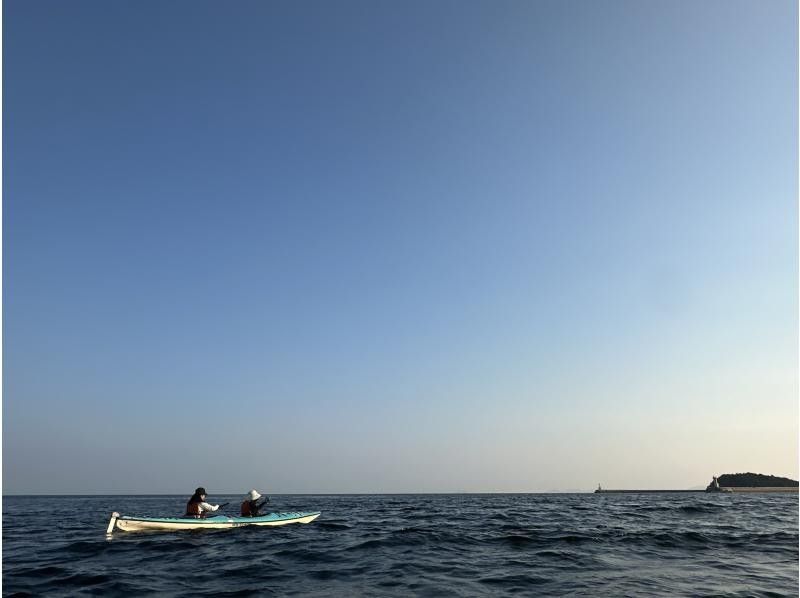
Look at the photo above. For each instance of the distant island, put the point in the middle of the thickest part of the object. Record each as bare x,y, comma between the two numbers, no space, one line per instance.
751,480
728,482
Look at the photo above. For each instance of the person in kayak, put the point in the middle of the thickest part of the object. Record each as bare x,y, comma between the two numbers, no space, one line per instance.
197,507
251,507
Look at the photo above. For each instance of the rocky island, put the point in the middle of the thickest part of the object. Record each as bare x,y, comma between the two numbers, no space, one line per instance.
751,482
729,482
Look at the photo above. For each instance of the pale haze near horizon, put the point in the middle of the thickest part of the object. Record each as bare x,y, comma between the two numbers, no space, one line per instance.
371,247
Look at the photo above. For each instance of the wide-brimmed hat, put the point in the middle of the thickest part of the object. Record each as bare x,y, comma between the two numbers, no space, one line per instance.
253,495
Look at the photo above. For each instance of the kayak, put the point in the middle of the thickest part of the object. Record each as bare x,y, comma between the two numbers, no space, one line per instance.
136,524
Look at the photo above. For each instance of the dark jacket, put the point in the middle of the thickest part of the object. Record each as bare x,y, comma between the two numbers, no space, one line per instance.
251,508
193,508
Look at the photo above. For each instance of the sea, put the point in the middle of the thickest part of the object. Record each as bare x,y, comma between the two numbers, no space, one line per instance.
413,545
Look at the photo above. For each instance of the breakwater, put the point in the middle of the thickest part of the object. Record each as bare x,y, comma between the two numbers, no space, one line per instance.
614,491
733,490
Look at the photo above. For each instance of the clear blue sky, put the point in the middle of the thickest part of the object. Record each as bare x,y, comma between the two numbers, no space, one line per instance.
398,246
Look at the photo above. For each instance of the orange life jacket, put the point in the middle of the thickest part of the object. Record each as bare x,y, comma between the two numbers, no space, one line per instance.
193,509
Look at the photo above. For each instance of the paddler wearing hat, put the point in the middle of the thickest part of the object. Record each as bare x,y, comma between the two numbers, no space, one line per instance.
251,507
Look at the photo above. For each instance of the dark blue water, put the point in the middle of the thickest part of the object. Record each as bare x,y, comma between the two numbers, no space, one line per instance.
436,545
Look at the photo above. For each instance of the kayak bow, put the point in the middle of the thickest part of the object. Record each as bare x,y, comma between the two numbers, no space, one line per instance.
135,524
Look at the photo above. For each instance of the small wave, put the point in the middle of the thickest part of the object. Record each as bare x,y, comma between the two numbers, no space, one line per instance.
333,526
85,579
260,591
576,557
691,539
513,581
156,546
499,516
305,555
331,574
410,530
701,508
574,538
683,540
367,544
81,547
236,572
653,508
517,540
43,571
412,536
389,542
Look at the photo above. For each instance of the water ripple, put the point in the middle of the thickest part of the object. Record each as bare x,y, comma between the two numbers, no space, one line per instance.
438,545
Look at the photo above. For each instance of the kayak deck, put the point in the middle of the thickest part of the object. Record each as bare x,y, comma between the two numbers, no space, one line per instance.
132,524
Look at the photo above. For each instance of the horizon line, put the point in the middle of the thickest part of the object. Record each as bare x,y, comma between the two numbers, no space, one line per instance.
301,493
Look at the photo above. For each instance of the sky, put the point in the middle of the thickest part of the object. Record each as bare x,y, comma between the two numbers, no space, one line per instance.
323,247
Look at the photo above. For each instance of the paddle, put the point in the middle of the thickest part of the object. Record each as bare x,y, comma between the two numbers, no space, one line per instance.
208,514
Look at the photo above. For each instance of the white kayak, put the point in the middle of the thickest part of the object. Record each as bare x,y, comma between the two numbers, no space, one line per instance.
136,524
